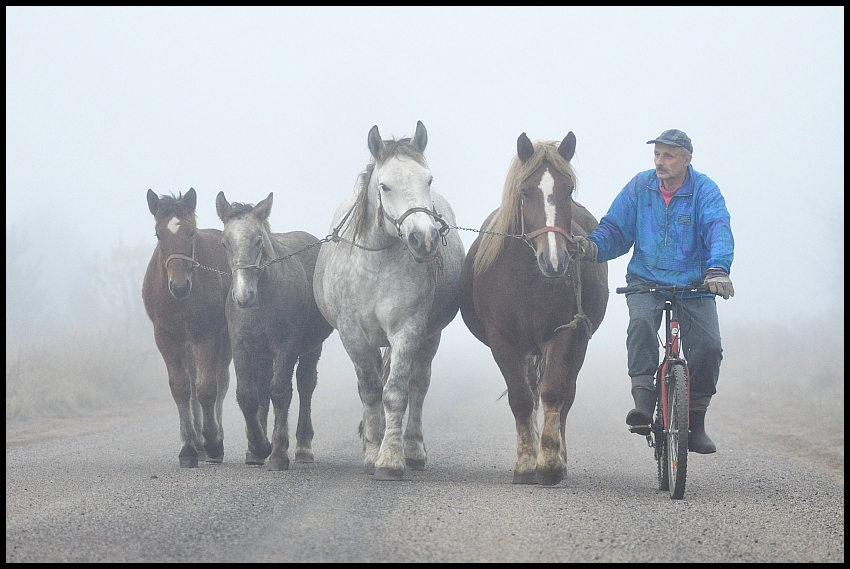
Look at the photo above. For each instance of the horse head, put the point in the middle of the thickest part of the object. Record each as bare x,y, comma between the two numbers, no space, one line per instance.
246,239
175,231
545,195
401,184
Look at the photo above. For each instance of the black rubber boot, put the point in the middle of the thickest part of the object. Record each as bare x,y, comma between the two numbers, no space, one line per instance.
698,440
639,419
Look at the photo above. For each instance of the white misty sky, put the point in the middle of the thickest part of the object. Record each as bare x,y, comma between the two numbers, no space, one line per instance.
104,103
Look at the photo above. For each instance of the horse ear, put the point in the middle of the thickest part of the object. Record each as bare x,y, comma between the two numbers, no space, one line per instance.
262,210
376,145
567,149
191,200
153,201
524,147
420,139
222,206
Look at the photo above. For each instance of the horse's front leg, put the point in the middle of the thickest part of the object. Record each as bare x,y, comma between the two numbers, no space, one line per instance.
367,365
210,395
415,456
177,357
281,398
564,357
514,366
251,395
390,462
306,378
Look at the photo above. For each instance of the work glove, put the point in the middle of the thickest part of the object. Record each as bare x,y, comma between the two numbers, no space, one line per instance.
587,249
718,282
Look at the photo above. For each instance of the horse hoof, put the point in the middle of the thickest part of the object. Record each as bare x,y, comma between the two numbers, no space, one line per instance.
369,469
215,459
188,462
254,460
304,456
278,464
525,478
388,474
549,478
415,463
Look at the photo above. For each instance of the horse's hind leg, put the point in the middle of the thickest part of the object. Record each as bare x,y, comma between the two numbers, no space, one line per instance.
306,377
415,455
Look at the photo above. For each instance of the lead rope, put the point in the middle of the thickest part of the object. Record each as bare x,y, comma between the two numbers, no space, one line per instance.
580,316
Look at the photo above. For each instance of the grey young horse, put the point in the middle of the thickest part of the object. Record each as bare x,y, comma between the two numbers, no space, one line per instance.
274,323
389,281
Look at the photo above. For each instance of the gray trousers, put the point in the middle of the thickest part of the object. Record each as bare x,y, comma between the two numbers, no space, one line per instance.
700,331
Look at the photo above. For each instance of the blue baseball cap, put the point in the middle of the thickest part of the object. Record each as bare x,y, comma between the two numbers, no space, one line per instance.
674,137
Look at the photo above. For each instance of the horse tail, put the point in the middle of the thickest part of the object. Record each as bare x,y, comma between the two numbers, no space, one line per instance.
385,375
385,363
535,366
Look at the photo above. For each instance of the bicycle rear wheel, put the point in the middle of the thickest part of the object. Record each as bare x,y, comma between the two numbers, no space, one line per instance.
677,429
660,443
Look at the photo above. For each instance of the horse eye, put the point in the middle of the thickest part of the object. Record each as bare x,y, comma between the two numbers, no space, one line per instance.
192,233
384,187
156,235
223,244
431,181
259,242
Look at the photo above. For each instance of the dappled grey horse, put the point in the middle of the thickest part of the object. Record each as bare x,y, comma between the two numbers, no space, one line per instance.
388,281
274,323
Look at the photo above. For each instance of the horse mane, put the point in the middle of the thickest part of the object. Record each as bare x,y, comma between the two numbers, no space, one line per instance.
239,210
392,148
173,205
507,218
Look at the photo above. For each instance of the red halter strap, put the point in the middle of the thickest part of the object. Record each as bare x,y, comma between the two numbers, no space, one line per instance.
542,230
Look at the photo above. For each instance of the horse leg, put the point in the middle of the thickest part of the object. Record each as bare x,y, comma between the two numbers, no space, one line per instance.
415,456
249,396
367,365
306,377
208,392
175,354
390,462
564,357
513,364
281,397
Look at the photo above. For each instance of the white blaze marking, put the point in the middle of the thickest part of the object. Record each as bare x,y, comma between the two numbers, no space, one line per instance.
174,225
547,186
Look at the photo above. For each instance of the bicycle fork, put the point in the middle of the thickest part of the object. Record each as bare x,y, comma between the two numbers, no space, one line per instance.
672,354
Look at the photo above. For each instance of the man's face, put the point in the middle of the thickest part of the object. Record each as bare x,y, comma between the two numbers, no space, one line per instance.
671,163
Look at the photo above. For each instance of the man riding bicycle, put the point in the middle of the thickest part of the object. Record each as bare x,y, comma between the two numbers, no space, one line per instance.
677,221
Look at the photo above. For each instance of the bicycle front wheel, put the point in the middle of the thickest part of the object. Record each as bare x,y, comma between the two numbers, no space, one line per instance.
660,443
677,429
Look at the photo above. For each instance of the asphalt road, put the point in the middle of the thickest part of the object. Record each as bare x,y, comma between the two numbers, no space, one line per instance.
113,492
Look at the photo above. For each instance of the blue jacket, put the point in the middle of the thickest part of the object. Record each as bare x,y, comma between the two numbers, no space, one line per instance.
672,245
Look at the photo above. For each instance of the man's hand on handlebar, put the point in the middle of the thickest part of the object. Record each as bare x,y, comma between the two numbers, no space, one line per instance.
718,282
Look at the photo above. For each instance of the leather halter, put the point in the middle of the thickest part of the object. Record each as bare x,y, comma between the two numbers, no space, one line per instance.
183,257
542,230
444,227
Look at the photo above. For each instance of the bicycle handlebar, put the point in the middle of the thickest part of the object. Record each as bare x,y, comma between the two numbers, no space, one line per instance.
650,287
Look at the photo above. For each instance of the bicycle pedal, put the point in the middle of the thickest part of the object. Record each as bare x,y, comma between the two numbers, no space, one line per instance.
645,430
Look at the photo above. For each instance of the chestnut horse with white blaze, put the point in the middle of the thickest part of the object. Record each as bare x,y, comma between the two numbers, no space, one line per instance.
525,294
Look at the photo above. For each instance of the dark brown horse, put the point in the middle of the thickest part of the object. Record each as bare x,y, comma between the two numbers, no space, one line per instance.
531,301
185,302
274,324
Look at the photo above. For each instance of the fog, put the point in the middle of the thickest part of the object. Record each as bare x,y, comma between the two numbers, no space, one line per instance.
104,103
